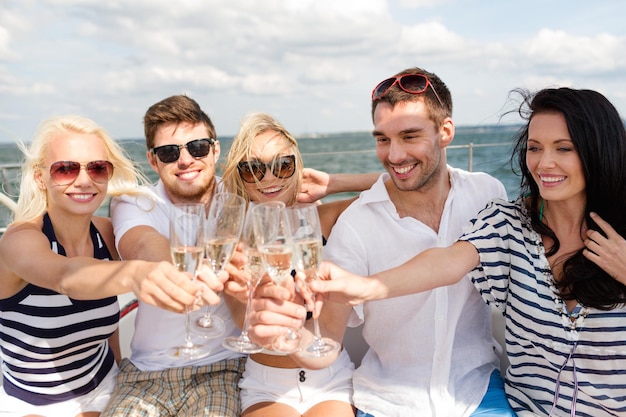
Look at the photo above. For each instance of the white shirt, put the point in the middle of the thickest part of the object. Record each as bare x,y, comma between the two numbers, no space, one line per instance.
431,354
157,330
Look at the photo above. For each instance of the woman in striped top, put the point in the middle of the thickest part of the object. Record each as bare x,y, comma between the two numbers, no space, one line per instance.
58,309
553,262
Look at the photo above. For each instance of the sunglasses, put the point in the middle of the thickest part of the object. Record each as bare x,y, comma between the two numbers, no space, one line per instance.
254,170
66,172
198,148
411,83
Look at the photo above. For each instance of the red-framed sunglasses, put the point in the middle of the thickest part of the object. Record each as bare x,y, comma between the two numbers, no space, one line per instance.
66,172
411,83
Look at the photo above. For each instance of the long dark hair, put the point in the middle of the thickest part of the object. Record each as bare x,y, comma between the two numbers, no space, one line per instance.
599,136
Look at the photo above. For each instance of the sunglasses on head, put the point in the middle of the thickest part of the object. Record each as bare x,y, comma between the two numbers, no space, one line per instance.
411,83
198,148
254,170
66,172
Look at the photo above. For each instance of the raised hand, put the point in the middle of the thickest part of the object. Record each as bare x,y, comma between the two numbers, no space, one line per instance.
609,252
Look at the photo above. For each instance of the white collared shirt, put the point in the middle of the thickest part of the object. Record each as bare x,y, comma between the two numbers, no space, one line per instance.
431,354
156,329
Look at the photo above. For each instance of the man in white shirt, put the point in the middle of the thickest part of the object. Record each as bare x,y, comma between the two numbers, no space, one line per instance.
430,354
183,149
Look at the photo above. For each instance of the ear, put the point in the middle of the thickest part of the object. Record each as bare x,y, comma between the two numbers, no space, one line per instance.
152,161
41,184
216,150
447,132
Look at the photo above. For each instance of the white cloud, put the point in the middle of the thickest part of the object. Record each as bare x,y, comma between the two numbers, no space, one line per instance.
564,52
311,62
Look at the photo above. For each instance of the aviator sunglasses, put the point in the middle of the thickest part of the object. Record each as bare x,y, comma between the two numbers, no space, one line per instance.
411,83
66,172
254,170
198,148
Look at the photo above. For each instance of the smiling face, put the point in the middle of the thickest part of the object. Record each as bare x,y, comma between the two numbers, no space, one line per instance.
189,179
409,145
265,147
552,158
83,195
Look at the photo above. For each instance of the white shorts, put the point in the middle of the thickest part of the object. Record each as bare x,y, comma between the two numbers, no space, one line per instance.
96,400
297,387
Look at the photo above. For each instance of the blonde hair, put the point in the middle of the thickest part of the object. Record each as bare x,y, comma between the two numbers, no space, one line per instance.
252,126
32,201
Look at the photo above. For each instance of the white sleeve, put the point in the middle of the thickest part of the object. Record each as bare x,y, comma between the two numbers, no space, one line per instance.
128,211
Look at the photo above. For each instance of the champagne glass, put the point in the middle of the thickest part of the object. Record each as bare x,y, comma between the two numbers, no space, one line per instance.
221,234
186,245
272,235
306,239
255,269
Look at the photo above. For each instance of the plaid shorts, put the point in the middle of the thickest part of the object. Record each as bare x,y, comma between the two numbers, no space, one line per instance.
191,391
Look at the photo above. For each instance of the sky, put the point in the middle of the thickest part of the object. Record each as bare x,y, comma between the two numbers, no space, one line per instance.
312,64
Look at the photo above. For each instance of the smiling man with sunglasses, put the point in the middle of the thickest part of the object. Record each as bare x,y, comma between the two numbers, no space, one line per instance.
182,148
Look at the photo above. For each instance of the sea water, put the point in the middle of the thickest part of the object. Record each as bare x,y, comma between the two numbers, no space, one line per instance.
354,152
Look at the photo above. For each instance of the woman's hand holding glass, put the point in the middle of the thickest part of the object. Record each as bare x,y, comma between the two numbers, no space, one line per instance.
273,236
255,271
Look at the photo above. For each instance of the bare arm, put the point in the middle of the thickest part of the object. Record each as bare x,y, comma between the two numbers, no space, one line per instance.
435,267
318,184
146,243
83,277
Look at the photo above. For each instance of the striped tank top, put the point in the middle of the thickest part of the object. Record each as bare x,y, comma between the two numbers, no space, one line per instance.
55,348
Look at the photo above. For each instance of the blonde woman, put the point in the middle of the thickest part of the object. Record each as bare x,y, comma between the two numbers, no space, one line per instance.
58,310
264,164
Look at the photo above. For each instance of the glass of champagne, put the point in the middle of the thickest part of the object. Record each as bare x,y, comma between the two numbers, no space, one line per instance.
255,269
306,238
221,234
272,235
187,248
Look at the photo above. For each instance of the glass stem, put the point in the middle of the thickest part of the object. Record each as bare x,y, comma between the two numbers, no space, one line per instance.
188,341
244,330
317,335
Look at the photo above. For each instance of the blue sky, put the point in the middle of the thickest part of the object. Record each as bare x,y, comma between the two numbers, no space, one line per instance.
310,63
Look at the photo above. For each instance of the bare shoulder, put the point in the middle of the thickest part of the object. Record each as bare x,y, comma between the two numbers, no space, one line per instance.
103,224
17,231
19,239
330,212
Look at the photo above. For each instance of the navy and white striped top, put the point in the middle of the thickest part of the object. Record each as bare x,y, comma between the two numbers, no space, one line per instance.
55,348
541,338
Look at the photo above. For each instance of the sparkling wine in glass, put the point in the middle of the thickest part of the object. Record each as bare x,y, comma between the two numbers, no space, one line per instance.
273,240
221,233
306,238
187,250
255,269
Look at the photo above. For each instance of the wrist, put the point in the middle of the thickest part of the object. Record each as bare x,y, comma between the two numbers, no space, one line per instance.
375,289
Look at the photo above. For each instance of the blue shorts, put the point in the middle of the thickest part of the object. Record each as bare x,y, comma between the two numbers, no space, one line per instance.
494,403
